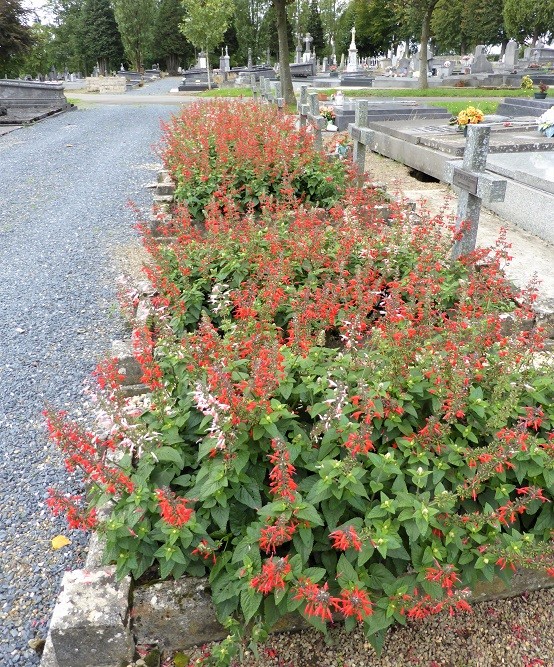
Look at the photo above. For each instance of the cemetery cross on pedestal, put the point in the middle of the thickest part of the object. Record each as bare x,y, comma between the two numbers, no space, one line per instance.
476,187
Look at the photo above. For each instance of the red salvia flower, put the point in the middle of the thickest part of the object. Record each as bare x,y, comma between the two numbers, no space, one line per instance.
173,509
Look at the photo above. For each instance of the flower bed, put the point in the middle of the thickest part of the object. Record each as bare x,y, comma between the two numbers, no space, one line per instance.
338,423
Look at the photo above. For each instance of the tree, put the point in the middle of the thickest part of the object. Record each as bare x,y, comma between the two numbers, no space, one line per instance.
135,20
170,45
315,28
40,58
249,21
376,26
529,19
205,23
268,34
101,39
459,25
67,49
419,12
15,36
284,55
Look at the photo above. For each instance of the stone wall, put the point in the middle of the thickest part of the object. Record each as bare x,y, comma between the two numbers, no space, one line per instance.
106,84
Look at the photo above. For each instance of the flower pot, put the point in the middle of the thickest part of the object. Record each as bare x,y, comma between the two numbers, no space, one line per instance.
322,97
331,127
540,96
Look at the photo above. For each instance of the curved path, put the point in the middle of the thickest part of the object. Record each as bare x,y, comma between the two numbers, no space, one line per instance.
64,188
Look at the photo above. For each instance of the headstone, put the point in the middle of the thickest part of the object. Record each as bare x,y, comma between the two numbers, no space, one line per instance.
316,119
202,60
352,65
307,56
403,66
480,63
510,55
325,64
475,186
249,63
360,121
298,56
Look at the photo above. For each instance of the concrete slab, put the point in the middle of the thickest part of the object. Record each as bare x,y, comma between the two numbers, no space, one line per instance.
533,169
428,146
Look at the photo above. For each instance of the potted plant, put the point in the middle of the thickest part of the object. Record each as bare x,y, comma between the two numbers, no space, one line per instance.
541,94
329,114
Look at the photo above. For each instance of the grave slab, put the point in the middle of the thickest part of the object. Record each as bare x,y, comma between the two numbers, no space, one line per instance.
429,145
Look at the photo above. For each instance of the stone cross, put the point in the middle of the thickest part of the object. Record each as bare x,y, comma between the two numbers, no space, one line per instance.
476,187
316,119
308,39
360,121
303,107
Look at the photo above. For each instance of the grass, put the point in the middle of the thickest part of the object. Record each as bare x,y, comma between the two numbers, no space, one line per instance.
225,92
455,107
438,92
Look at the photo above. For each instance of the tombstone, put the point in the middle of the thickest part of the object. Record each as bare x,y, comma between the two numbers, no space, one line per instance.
202,61
307,55
298,56
480,63
476,187
403,66
249,63
352,65
360,121
225,62
325,64
510,55
317,120
267,57
303,108
342,60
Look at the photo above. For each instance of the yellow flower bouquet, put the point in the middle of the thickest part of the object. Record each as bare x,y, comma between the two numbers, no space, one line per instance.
470,116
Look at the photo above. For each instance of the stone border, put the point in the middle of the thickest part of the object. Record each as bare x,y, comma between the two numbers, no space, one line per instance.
98,621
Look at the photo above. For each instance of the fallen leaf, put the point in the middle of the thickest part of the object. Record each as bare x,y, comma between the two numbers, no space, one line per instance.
60,541
181,660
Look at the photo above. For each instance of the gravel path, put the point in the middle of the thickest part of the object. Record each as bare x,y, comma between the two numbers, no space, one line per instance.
64,185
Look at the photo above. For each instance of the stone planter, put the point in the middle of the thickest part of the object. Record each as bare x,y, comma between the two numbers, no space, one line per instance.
540,96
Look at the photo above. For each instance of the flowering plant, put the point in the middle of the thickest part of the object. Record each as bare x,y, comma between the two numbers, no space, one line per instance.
339,423
526,83
546,123
328,113
542,87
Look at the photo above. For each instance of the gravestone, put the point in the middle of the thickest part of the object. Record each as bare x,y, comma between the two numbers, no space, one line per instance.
307,56
27,101
480,63
298,56
510,55
475,186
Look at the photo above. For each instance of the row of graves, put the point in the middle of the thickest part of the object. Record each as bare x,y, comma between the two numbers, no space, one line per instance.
504,162
399,70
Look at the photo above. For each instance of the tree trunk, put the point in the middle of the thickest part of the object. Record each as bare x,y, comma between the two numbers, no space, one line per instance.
172,64
103,66
284,66
425,32
208,68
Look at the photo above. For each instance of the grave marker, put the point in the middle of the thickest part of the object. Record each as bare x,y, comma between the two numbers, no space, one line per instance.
476,186
303,107
316,119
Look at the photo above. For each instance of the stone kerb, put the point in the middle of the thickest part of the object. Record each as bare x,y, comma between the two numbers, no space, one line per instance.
95,624
106,84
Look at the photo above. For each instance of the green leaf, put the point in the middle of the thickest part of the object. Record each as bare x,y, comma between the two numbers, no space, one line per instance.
250,601
168,454
346,574
309,513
